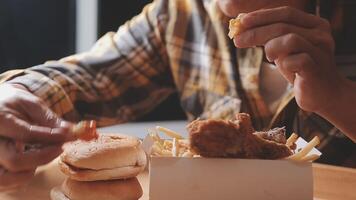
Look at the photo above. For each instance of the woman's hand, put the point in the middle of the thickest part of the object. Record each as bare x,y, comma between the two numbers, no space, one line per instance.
302,47
30,135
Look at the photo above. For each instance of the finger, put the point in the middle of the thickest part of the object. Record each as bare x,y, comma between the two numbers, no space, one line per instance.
38,113
20,130
288,44
32,109
28,160
11,180
285,14
259,36
43,116
287,73
300,63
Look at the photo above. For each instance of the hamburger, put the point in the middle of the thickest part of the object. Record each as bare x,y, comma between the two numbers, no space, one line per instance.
129,189
110,156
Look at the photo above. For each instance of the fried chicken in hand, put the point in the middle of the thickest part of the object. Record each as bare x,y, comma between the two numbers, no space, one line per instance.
236,139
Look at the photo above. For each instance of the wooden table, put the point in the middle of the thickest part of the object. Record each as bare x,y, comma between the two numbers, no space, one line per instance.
332,182
329,183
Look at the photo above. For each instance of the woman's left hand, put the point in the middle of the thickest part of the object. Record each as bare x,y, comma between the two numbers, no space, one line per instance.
301,46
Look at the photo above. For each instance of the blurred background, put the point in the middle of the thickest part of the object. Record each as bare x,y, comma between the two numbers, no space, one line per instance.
34,31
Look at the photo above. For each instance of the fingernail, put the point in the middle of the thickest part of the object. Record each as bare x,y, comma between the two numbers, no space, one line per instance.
240,41
236,41
241,16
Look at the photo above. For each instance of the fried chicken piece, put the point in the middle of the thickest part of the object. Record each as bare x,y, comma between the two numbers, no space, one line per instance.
277,135
216,138
244,121
236,139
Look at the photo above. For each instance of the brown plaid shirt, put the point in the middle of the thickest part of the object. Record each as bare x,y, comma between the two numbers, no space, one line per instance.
176,45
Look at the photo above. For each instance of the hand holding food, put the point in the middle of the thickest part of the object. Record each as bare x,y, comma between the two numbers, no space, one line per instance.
30,135
235,26
301,46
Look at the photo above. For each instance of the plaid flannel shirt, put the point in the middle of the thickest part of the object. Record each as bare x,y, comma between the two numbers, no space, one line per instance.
176,45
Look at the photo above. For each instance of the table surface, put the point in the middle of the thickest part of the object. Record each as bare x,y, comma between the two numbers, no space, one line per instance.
330,182
140,129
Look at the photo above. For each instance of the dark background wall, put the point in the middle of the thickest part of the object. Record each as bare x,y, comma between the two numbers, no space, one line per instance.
33,31
113,13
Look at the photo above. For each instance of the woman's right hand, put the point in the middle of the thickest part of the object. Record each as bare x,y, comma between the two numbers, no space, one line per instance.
30,135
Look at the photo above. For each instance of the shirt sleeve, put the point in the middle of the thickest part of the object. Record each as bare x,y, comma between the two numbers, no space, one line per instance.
122,77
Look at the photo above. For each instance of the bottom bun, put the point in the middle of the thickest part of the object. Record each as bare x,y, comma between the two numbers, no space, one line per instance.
129,189
57,194
103,174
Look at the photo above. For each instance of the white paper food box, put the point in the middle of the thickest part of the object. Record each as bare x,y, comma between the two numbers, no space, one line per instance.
177,178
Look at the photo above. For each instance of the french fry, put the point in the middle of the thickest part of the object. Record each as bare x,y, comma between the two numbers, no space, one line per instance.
169,132
291,140
154,135
298,156
175,148
167,144
182,150
188,154
178,146
184,143
310,158
161,147
156,150
166,153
